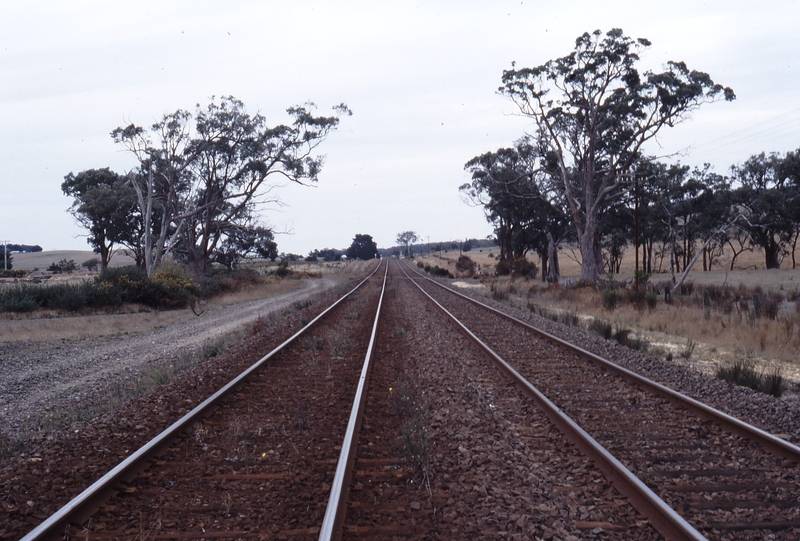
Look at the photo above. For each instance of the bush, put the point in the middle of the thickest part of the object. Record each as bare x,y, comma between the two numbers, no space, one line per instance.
502,268
636,297
170,287
611,299
465,265
602,328
66,297
436,270
19,299
743,372
63,266
283,269
524,268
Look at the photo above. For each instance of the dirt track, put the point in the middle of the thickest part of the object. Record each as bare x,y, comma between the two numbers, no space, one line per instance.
59,376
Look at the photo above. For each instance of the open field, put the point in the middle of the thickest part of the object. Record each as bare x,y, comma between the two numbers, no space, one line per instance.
749,272
42,260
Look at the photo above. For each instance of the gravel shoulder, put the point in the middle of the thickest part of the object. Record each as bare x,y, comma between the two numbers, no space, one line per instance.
40,378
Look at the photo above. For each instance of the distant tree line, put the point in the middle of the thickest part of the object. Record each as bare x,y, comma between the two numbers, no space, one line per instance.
198,185
581,176
592,112
20,248
685,214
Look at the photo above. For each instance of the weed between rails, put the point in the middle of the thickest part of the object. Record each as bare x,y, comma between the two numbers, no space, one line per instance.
407,402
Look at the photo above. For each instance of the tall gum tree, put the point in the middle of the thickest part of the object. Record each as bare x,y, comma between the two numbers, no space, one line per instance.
202,177
594,111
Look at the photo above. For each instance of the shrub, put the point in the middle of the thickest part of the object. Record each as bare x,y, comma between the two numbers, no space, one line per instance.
283,269
170,287
741,372
436,270
602,328
524,268
611,299
636,297
19,299
63,266
67,297
744,372
502,268
91,264
651,299
465,265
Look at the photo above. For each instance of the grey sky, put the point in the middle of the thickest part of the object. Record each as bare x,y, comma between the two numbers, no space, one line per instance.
420,78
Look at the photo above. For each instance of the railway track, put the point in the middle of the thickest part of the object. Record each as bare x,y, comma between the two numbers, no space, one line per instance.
725,478
254,459
438,446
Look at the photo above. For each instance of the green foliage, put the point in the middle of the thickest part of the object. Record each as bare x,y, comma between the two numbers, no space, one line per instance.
465,265
169,288
91,264
436,270
744,372
502,268
63,266
283,269
741,372
21,298
362,247
611,298
524,268
602,328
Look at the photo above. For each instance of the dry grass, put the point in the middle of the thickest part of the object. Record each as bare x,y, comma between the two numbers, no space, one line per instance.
705,338
750,269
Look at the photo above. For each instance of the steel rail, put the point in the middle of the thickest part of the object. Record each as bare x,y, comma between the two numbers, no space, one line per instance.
663,518
769,441
340,488
85,503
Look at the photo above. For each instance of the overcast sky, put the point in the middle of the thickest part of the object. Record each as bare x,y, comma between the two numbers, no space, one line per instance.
421,80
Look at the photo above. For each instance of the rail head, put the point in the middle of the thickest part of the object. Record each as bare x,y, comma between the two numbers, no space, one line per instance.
84,503
337,502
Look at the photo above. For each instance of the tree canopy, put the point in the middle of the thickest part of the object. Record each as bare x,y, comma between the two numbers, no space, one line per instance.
594,111
105,204
201,177
362,247
406,239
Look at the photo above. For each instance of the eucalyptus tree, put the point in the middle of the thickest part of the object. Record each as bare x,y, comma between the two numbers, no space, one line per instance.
406,239
594,111
521,201
768,198
105,205
204,174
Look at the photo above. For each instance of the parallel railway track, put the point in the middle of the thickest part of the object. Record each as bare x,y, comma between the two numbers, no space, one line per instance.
253,467
720,474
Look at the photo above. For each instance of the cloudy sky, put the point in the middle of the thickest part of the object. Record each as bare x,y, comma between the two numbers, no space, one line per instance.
420,77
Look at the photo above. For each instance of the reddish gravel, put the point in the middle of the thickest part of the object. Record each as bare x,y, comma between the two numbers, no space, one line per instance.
498,469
